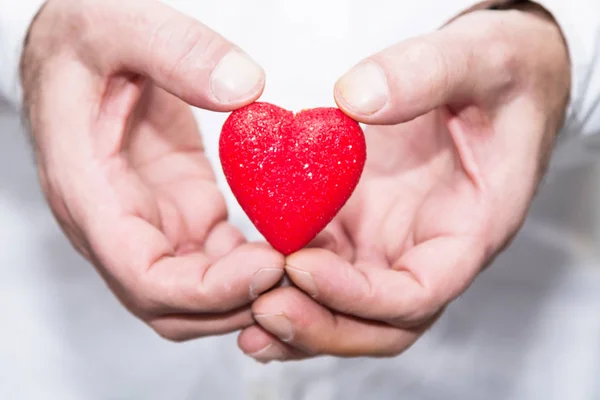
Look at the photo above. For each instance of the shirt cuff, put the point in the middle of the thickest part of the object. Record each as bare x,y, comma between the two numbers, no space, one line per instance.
15,19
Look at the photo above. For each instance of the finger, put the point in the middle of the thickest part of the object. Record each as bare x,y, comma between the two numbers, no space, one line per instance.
297,320
222,239
335,239
170,159
418,75
191,225
179,328
140,261
257,343
193,284
418,285
180,54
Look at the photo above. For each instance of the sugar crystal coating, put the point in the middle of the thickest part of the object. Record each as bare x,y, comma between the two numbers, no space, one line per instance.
291,173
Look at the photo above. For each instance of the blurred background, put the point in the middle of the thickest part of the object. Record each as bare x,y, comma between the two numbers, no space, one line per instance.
529,327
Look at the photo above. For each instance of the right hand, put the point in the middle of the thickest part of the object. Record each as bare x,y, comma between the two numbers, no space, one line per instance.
107,85
461,126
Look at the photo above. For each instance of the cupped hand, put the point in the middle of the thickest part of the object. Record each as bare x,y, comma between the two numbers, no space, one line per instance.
461,126
107,86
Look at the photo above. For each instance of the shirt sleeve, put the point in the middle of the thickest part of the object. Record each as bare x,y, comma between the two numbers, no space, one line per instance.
15,19
579,21
580,24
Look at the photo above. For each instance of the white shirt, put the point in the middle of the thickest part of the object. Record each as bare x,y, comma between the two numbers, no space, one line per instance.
529,328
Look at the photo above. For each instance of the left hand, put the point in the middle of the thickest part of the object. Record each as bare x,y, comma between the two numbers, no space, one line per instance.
108,86
462,125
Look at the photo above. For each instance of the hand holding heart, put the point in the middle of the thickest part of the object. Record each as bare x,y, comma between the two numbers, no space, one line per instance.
462,125
121,160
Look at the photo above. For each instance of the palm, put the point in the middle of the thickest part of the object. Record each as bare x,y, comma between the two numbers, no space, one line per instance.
415,200
181,197
440,195
155,222
429,211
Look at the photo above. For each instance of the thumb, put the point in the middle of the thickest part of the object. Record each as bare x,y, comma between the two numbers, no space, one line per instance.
180,54
416,76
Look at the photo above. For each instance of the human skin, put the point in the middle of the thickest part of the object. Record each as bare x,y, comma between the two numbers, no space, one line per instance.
107,92
462,124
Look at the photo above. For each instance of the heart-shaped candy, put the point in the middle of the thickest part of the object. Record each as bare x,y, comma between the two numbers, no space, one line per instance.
291,173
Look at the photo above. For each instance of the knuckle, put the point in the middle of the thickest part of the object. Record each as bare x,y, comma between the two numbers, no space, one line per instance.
74,17
434,79
426,52
188,43
501,58
70,26
496,48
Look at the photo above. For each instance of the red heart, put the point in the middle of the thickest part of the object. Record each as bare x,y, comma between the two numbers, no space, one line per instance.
291,173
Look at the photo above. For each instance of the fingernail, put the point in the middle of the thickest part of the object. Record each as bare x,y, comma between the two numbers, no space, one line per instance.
263,280
304,280
268,353
364,88
236,78
278,324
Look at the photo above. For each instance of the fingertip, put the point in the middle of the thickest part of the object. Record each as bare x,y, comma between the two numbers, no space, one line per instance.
240,276
267,264
301,323
288,302
363,91
407,80
285,312
311,271
237,80
263,347
264,280
304,280
314,260
264,303
253,339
